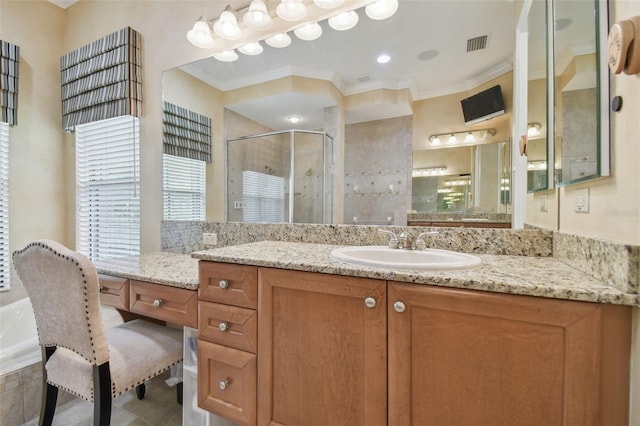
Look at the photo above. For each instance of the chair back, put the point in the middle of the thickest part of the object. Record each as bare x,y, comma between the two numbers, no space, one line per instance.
64,291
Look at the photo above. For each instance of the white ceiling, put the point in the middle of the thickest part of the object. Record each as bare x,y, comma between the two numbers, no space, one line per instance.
345,58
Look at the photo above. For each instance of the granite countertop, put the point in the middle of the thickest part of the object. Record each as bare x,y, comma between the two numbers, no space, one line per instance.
172,269
523,275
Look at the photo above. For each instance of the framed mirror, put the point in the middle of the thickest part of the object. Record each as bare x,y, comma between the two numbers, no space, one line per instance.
581,90
378,115
537,129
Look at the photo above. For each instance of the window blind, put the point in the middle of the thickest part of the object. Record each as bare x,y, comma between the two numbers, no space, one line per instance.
108,188
5,255
9,66
185,133
262,197
102,79
183,188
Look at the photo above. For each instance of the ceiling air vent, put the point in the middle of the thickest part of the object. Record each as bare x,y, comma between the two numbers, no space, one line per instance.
364,78
477,43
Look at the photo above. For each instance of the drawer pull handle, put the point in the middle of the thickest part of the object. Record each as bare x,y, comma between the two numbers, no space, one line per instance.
224,384
399,307
157,303
223,284
370,302
223,326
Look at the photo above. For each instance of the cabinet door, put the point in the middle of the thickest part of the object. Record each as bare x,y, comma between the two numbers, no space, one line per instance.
322,356
460,357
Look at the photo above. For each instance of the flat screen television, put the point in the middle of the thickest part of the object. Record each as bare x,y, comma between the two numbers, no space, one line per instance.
483,106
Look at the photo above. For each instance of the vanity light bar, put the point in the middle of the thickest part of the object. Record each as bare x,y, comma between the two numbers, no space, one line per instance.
429,171
468,137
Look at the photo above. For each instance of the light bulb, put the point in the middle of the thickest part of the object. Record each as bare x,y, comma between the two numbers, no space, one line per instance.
309,31
469,138
227,26
382,9
344,21
436,141
226,56
257,17
254,48
279,40
200,35
291,10
452,140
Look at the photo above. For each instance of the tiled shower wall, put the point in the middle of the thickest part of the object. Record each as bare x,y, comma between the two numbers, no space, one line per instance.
377,171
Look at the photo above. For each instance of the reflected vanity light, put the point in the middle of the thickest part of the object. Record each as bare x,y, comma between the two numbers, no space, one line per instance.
344,21
251,48
308,32
381,9
429,171
227,56
457,182
468,137
279,40
533,130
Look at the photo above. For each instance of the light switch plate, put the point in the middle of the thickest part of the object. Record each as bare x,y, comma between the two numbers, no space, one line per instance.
209,238
581,200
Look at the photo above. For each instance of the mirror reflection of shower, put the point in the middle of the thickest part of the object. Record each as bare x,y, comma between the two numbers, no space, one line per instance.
280,177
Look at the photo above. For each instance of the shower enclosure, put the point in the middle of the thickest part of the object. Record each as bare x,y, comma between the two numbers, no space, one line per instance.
280,177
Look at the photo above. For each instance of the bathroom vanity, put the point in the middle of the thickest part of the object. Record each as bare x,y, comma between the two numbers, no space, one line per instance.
354,345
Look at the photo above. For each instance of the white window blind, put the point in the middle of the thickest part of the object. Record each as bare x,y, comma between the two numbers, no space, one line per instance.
262,197
5,255
108,188
183,188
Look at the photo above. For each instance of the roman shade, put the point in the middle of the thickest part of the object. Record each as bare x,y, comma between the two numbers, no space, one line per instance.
102,79
186,133
9,60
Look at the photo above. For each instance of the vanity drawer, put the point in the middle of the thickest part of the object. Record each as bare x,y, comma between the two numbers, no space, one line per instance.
227,382
166,303
114,291
229,284
228,325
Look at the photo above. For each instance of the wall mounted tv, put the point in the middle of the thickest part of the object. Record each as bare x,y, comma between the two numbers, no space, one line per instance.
483,106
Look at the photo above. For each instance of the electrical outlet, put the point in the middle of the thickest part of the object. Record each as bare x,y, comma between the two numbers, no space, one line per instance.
543,200
210,239
581,200
238,205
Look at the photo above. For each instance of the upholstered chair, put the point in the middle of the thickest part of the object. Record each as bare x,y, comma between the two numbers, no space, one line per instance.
80,356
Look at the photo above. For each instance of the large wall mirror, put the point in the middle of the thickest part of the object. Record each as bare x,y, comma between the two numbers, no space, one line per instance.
581,90
379,117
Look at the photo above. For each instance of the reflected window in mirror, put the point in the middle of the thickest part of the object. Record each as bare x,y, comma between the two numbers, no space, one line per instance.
183,188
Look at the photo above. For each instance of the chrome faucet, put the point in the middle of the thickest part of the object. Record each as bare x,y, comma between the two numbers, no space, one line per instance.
393,238
420,243
406,241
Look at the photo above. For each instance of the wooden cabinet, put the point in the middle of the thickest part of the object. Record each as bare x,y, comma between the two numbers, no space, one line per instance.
347,351
156,302
227,342
322,356
461,357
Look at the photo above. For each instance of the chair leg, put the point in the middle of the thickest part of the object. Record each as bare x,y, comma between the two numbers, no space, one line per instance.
179,392
140,391
49,392
101,395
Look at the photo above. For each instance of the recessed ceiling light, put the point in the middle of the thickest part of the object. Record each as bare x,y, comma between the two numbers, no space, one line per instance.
383,59
293,119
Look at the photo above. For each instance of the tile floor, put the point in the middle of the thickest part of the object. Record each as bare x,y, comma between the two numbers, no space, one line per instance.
159,406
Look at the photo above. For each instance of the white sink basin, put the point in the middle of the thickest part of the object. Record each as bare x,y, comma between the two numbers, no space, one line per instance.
385,257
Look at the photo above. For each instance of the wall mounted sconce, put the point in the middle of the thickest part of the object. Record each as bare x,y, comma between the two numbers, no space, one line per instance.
300,16
429,171
533,130
468,137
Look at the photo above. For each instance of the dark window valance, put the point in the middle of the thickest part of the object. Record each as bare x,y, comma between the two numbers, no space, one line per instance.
186,133
102,79
9,61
